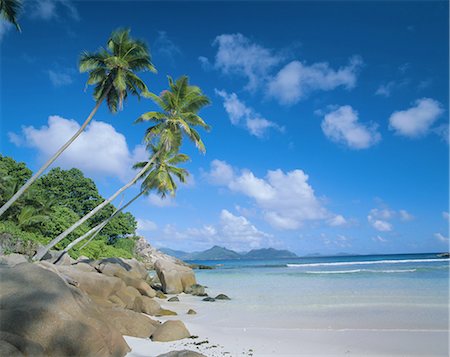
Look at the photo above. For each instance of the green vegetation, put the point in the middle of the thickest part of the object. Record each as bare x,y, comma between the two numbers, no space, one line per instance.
9,10
112,72
54,203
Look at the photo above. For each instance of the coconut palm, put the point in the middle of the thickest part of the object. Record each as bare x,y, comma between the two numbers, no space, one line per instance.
112,72
159,176
181,104
9,10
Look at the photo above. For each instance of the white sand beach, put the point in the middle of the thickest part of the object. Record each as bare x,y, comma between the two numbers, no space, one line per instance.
224,329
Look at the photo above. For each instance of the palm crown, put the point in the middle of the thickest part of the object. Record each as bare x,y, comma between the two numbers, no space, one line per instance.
161,171
9,10
111,70
180,105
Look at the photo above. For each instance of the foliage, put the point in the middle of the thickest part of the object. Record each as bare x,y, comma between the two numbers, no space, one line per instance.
9,10
15,240
99,249
54,203
180,105
111,69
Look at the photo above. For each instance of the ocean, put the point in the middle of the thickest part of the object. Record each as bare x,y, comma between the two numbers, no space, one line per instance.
373,292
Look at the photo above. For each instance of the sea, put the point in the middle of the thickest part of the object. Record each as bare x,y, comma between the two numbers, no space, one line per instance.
399,292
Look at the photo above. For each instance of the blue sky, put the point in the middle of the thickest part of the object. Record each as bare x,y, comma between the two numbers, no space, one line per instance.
330,119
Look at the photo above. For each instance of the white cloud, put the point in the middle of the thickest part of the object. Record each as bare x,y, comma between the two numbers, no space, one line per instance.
379,239
441,238
405,215
52,9
236,54
297,80
145,225
342,126
287,200
385,90
233,232
378,219
157,200
59,78
99,150
238,112
446,215
337,221
166,47
417,120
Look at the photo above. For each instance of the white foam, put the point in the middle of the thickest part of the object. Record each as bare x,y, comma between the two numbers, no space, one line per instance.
361,271
369,262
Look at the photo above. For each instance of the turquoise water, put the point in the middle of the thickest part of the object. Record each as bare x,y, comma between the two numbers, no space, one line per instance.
408,291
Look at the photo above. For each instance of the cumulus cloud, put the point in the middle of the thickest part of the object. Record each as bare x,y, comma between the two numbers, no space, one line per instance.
405,215
441,238
157,200
236,54
286,199
145,225
52,9
165,47
379,239
337,221
385,90
342,126
239,114
416,121
99,150
297,80
232,231
60,78
379,218
446,215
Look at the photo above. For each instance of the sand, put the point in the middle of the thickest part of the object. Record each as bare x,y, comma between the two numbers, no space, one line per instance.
225,330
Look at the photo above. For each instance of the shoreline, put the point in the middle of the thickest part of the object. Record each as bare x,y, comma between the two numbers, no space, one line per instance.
215,340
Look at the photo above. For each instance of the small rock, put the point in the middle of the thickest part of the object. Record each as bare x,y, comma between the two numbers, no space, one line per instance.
222,297
170,331
175,298
209,299
165,312
192,312
196,290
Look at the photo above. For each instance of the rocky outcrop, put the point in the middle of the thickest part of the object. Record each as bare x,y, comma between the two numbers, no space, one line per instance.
170,331
41,312
150,255
13,259
174,278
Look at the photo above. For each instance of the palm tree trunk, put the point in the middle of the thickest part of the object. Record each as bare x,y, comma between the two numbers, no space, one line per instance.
54,157
98,227
42,251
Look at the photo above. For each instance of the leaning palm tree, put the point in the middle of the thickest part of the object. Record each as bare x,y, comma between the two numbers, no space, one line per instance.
112,71
159,176
9,10
180,105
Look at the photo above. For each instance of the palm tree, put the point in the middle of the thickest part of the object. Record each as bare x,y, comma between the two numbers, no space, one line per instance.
181,104
158,176
112,71
9,10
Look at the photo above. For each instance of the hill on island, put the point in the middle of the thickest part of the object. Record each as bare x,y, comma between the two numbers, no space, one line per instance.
221,253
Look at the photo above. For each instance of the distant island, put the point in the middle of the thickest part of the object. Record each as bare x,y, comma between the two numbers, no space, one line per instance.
222,253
